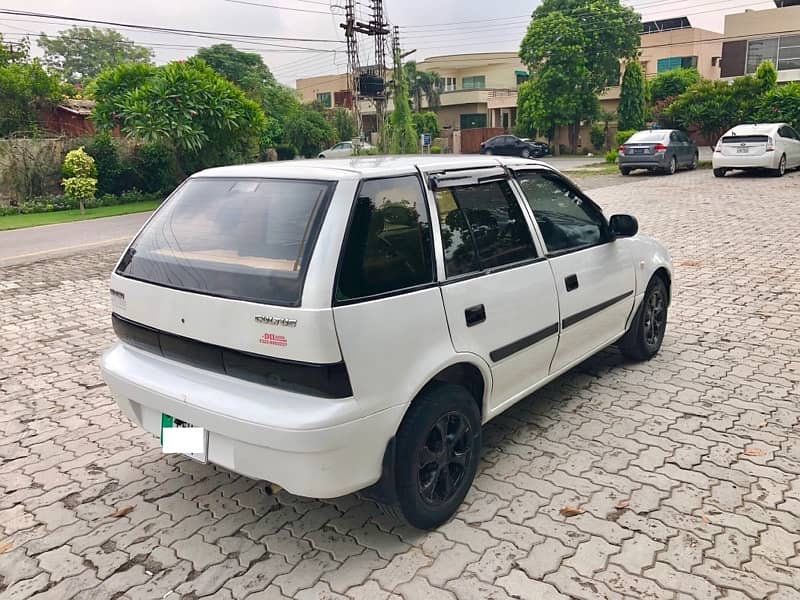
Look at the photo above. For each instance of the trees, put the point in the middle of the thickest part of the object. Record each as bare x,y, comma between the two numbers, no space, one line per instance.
24,88
402,135
781,105
343,124
708,106
244,69
206,119
427,122
571,60
632,98
671,84
307,130
81,53
421,83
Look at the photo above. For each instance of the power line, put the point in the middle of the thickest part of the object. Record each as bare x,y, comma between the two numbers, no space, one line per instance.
169,30
302,10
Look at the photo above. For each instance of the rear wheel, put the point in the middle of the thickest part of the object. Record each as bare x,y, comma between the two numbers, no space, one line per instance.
693,164
781,170
720,172
487,152
646,334
438,449
625,171
672,167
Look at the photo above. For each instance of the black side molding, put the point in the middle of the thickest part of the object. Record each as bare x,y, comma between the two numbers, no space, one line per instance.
321,380
521,344
585,314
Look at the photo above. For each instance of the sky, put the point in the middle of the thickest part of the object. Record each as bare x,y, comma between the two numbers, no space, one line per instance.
432,27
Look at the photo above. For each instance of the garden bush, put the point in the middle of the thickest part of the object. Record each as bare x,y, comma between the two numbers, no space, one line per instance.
40,204
436,149
285,151
155,168
598,136
80,183
612,156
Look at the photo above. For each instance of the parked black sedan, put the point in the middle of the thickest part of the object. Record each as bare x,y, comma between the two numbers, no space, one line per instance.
511,145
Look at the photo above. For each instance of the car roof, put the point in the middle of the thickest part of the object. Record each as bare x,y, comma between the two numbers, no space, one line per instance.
364,166
751,128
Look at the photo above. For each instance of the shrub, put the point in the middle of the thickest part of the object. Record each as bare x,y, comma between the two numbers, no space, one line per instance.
80,189
781,104
155,168
79,164
624,136
113,177
612,156
598,136
285,151
436,149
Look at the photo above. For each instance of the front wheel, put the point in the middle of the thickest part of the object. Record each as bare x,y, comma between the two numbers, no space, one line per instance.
781,170
438,449
646,334
487,152
525,153
625,171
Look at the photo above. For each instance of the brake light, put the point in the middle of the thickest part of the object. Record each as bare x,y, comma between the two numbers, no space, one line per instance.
770,144
718,148
622,149
660,148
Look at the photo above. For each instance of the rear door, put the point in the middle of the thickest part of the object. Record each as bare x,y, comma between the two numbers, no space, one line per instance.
498,291
791,142
593,275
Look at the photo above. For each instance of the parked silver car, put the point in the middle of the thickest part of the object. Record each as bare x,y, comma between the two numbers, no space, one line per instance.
345,149
663,150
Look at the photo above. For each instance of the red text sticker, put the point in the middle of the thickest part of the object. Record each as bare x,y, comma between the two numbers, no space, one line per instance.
273,340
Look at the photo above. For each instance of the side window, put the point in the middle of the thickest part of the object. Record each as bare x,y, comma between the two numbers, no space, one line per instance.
675,137
388,245
793,133
783,133
566,221
483,227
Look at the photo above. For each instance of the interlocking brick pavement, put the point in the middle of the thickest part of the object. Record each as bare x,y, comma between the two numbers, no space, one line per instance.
686,466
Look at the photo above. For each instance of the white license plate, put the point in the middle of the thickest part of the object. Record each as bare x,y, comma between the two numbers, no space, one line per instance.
180,437
742,150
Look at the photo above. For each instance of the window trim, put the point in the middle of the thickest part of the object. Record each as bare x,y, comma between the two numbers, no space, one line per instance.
335,302
540,255
315,229
515,171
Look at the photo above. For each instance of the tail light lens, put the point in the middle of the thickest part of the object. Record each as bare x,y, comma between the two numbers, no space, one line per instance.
622,149
660,148
718,148
770,144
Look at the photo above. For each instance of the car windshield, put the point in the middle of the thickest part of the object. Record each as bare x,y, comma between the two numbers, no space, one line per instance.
648,137
248,239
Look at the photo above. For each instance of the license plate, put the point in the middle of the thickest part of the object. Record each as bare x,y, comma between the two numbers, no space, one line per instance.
180,437
638,150
743,150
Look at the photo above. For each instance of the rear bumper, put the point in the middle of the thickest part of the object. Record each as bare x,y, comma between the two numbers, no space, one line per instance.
638,161
768,160
310,446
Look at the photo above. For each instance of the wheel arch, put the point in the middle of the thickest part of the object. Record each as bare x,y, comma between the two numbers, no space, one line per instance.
665,276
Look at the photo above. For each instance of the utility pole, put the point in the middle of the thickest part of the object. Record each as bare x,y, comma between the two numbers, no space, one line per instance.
379,29
353,67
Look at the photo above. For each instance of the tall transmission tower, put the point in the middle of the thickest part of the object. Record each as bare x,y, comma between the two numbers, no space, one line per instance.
380,30
353,66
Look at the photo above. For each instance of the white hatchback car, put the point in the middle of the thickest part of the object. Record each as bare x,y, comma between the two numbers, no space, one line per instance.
772,146
332,326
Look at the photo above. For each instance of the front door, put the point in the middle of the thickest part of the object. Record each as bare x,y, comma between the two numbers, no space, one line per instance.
593,274
498,292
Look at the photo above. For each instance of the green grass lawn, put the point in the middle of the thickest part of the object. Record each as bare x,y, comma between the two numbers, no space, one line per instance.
66,216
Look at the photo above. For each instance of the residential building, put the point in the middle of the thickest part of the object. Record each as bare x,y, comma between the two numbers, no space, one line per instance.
753,36
477,90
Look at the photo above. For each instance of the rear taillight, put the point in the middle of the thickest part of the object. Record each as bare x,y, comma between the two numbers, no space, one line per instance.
718,147
622,149
660,148
770,144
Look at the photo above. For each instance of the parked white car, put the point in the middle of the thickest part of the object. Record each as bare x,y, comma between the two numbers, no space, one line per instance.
330,326
772,146
344,149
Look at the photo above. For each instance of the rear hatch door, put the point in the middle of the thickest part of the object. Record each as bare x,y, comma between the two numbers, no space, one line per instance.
744,145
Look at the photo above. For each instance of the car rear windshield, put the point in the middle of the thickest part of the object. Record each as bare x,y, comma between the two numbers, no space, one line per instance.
247,239
647,137
745,139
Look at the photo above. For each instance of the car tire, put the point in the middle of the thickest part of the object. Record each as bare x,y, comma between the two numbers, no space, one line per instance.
434,471
720,172
625,171
321,156
781,170
695,161
673,166
526,153
646,334
487,152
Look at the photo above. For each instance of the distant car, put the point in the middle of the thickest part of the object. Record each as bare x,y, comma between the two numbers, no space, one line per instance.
663,150
511,145
543,147
343,149
773,146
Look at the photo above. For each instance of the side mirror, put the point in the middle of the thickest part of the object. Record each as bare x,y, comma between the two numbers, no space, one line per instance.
624,226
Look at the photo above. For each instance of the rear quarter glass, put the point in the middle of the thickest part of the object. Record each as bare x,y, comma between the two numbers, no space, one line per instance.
245,239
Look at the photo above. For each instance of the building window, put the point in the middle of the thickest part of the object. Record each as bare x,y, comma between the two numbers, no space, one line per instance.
474,83
789,52
760,50
447,84
325,99
676,62
473,121
522,77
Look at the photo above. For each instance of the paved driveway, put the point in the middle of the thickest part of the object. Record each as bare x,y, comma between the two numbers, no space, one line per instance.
685,468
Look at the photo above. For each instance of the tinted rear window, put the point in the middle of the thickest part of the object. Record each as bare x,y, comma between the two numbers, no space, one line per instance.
648,137
745,139
248,239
